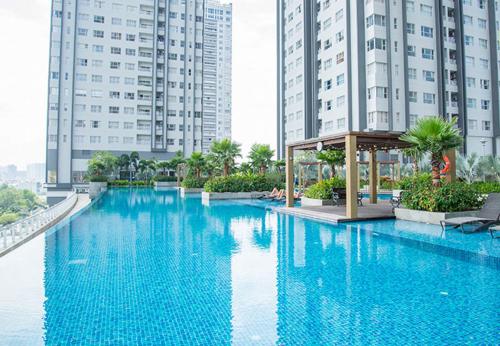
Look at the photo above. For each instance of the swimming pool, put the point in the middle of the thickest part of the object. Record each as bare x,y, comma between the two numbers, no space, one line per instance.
149,267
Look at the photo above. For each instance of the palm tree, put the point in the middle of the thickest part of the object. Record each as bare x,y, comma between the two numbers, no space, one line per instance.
124,163
162,166
147,168
468,167
225,153
196,163
280,164
134,160
261,156
490,166
416,155
177,160
332,158
435,136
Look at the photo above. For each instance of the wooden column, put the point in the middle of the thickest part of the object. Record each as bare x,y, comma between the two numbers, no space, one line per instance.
398,171
351,176
372,173
378,176
289,177
452,172
320,172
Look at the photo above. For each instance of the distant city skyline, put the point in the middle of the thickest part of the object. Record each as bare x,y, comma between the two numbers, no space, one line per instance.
22,137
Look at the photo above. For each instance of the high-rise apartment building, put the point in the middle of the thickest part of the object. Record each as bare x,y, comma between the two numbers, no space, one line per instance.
217,86
128,75
379,65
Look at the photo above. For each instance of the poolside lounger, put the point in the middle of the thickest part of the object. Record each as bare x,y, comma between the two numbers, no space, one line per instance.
489,215
493,230
340,194
275,193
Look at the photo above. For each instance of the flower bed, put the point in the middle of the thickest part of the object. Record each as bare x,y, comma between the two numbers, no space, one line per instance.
243,183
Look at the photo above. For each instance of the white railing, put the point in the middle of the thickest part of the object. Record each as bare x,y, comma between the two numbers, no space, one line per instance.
13,233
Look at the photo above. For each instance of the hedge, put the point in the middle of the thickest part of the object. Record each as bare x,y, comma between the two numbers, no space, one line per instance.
485,187
323,190
165,179
244,183
98,179
193,183
450,197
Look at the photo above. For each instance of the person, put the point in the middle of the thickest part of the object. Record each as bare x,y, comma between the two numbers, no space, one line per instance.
272,195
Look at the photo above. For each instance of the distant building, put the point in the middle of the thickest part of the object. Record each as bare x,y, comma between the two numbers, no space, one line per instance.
128,76
372,65
35,172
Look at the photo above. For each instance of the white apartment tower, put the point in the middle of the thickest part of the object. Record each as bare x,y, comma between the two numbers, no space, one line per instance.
217,86
379,65
128,75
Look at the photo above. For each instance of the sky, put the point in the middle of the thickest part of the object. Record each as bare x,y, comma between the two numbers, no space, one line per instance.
24,38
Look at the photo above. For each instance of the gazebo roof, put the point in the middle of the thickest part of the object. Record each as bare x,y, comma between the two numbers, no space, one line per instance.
364,140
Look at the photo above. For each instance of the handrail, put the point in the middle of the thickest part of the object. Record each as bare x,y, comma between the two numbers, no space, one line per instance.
13,233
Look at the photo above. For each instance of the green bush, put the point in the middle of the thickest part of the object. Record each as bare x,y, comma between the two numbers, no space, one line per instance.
244,183
485,187
164,178
119,183
193,183
8,218
98,179
323,190
140,183
407,183
450,197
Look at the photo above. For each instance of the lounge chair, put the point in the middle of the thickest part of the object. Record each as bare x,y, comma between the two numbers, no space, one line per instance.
339,194
493,230
272,195
489,215
396,199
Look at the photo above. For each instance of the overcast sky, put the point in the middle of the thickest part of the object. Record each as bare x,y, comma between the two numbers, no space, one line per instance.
24,38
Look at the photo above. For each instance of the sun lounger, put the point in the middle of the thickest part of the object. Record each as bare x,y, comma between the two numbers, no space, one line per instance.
489,215
493,230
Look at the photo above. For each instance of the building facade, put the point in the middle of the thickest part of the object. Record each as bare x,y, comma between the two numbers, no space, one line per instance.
217,67
126,76
379,65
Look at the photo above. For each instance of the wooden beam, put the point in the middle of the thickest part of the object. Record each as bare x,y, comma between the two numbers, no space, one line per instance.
451,175
372,173
289,177
351,177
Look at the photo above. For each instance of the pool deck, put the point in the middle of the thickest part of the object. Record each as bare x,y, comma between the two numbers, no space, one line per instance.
337,214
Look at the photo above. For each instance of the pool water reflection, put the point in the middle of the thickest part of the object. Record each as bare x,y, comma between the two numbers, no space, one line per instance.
149,267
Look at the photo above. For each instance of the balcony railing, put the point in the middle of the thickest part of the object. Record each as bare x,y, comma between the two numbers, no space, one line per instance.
14,233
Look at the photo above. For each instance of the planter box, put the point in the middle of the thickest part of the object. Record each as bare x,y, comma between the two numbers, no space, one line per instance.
207,196
185,191
160,185
96,188
310,202
429,217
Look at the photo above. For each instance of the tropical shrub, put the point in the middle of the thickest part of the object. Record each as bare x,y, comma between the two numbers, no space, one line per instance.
261,157
193,183
406,183
449,197
118,183
164,178
98,179
332,158
7,218
323,189
485,187
244,183
140,183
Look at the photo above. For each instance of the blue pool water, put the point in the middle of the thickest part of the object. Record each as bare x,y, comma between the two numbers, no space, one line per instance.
149,268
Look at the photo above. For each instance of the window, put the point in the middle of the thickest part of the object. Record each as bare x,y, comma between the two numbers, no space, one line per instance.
429,98
471,82
375,19
469,40
412,96
412,50
376,43
471,103
486,125
116,36
428,53
410,28
95,139
484,84
340,79
426,10
485,105
98,19
412,73
428,76
472,124
426,31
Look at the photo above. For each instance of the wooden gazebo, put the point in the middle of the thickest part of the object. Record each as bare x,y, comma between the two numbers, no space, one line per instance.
352,142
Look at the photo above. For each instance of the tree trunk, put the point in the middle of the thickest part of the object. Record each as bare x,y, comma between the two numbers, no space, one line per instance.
332,171
226,170
415,167
436,173
262,169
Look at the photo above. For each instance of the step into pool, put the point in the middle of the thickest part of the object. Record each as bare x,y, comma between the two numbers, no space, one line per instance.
149,268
